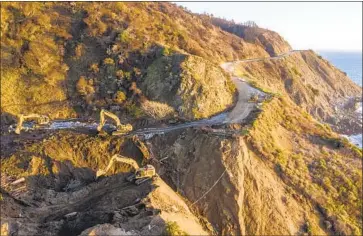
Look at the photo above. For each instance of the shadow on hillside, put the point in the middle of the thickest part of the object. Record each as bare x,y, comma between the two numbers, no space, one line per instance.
7,119
69,199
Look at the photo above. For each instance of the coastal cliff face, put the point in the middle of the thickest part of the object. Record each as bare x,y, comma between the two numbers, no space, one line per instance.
313,83
279,171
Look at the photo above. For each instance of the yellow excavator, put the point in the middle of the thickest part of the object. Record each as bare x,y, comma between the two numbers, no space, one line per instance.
40,119
138,177
120,128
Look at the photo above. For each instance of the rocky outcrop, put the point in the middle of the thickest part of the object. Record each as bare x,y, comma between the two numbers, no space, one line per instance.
195,87
271,41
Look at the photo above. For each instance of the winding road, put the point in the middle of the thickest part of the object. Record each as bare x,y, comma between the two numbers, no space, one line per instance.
240,111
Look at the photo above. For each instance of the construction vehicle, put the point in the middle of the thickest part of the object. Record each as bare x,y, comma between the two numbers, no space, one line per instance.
254,98
138,177
141,146
41,120
120,128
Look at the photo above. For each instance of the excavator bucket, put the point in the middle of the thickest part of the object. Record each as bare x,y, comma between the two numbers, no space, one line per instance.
41,120
123,129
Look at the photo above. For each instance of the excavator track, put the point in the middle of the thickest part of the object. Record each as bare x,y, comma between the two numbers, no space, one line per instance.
140,181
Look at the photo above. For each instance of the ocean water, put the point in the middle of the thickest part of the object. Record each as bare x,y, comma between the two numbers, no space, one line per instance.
351,63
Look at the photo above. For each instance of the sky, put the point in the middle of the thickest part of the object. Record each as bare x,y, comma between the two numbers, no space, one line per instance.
319,26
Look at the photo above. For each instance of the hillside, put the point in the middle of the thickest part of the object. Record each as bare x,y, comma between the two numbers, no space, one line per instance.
72,59
271,41
312,83
243,132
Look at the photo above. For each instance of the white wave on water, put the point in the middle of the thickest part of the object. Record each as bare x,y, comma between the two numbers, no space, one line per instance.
356,139
359,109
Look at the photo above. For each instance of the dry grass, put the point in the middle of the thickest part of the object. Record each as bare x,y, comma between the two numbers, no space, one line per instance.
314,161
158,110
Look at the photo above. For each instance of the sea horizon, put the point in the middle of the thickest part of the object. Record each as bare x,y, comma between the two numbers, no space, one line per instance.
347,61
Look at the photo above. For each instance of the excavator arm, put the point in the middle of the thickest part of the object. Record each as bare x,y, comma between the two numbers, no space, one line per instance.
103,115
41,119
118,158
121,129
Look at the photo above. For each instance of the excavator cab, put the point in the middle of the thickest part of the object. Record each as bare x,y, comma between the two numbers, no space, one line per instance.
41,120
146,171
120,128
142,174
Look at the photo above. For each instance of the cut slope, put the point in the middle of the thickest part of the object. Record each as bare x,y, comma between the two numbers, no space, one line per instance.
195,87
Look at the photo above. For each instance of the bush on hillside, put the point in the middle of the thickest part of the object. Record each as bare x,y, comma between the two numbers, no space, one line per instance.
172,229
119,97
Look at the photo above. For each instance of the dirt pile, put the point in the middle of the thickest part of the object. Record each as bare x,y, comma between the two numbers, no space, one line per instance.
195,87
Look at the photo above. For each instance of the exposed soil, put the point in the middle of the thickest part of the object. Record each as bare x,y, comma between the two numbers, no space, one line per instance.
60,195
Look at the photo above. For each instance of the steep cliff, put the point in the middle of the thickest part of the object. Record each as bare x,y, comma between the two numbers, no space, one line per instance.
288,175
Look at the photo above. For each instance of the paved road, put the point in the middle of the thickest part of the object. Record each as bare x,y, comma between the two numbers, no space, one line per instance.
241,110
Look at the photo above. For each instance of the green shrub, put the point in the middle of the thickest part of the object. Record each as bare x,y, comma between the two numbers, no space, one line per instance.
109,61
172,228
84,86
120,74
81,85
245,132
124,37
295,71
94,68
166,52
119,97
79,50
134,110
